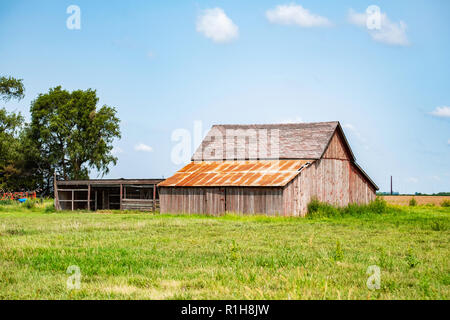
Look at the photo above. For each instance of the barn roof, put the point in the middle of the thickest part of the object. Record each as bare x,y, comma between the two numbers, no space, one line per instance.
249,173
267,141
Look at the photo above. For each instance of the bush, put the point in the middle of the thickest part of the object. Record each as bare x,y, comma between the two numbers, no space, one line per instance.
50,208
379,205
412,202
29,204
322,209
338,254
411,259
445,203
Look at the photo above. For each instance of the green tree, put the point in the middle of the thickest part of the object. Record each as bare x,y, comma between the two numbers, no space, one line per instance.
71,134
11,125
11,88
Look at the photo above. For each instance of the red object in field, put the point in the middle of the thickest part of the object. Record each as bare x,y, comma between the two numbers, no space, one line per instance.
17,195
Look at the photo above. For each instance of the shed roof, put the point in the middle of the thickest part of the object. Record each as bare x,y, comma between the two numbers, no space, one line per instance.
108,182
266,141
249,173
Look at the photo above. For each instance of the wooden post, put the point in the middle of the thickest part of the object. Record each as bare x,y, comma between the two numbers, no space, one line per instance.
121,192
73,198
154,198
55,190
95,204
391,187
89,197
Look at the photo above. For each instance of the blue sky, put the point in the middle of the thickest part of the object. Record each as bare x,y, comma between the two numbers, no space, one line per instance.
164,65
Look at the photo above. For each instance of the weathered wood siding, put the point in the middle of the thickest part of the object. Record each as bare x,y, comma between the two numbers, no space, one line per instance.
216,201
333,179
360,190
249,200
326,179
336,148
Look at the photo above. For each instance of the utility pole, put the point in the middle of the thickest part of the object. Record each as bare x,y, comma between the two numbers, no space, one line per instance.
391,186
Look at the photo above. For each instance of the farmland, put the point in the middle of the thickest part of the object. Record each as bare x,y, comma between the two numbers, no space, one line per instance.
150,256
421,200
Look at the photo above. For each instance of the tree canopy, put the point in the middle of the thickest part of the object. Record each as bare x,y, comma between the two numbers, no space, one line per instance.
72,134
11,124
69,134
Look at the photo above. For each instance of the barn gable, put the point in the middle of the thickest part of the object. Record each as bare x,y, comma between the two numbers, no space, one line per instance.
338,147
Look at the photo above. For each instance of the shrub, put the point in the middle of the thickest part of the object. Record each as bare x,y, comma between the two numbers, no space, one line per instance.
411,259
445,203
314,206
30,204
338,253
50,208
6,202
379,205
321,209
412,202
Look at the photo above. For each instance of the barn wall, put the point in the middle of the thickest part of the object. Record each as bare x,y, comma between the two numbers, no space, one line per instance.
216,201
360,190
337,182
333,179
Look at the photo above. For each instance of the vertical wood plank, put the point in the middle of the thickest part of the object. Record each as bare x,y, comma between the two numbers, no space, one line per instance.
89,197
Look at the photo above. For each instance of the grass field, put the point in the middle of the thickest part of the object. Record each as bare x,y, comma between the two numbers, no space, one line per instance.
145,256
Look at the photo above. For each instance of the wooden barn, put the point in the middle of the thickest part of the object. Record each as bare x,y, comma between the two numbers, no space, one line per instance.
273,169
106,194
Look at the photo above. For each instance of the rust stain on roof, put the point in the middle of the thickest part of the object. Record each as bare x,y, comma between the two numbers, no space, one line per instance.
245,173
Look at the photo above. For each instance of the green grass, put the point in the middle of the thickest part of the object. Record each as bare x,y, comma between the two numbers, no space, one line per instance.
145,256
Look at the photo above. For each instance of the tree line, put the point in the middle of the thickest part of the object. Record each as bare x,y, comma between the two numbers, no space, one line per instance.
68,135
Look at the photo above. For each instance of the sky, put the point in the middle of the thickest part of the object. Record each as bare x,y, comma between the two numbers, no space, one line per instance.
381,68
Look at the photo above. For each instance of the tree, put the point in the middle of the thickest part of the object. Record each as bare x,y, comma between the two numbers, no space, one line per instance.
11,125
71,135
11,88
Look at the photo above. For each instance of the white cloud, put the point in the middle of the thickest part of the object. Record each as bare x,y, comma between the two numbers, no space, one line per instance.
116,150
217,26
442,112
393,33
412,180
143,147
293,120
292,14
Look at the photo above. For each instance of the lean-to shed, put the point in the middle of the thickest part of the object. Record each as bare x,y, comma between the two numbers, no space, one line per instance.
273,169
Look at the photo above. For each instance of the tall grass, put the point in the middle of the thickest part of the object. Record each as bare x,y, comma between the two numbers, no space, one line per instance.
322,209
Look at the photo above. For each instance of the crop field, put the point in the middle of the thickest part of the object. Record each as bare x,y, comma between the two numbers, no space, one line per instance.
421,200
130,255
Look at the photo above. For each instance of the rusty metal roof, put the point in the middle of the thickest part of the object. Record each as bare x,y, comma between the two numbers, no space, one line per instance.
246,173
266,141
